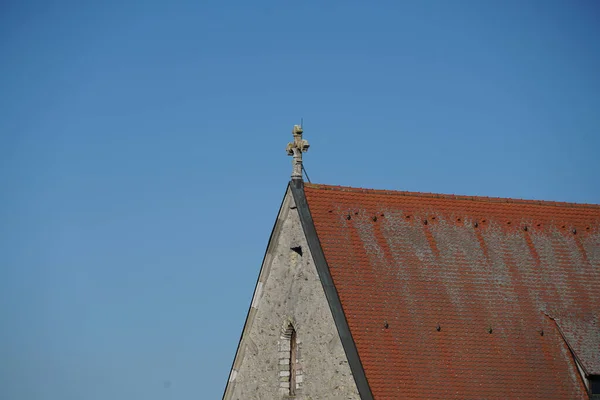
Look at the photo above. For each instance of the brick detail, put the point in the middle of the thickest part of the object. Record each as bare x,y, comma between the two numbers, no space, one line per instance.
285,368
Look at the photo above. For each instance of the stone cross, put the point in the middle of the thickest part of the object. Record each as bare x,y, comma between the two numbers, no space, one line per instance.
296,148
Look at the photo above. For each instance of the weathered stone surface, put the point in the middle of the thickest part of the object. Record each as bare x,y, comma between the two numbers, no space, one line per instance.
289,291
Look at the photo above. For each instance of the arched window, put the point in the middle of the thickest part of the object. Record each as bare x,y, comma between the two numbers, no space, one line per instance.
293,362
289,372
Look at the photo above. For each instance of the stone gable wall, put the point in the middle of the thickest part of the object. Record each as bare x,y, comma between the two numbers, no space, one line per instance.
290,295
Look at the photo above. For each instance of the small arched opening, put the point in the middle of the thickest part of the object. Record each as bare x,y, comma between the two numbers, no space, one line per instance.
289,361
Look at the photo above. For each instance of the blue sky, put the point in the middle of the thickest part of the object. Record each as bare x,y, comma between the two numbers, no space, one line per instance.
142,157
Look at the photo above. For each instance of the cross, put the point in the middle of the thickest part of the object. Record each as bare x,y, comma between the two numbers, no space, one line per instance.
296,148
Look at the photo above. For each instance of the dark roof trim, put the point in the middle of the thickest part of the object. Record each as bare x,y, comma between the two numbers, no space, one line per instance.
576,362
333,299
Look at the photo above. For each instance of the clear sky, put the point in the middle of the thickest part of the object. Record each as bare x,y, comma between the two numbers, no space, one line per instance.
142,157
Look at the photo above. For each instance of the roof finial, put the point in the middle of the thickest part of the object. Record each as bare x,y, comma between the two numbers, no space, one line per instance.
296,148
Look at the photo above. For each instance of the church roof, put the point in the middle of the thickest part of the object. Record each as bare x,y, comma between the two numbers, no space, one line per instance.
464,297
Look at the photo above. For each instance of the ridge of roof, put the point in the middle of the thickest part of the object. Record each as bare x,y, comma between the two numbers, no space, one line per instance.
450,196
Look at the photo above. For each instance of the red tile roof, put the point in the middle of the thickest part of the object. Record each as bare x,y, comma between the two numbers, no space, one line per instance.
464,297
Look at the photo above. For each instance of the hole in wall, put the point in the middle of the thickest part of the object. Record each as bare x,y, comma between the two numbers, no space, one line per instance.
297,249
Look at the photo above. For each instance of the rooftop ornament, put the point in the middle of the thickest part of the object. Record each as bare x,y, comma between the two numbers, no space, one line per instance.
295,149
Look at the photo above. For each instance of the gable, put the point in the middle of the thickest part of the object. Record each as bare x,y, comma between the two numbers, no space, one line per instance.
288,294
456,297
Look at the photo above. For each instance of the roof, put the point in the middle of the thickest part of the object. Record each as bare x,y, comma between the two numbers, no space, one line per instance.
464,297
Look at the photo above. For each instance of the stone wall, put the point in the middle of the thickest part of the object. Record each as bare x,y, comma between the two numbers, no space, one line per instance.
289,295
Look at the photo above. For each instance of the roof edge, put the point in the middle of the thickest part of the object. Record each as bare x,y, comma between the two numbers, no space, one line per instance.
452,196
335,305
579,367
249,317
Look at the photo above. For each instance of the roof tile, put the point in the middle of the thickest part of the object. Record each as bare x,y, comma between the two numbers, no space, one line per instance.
493,273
